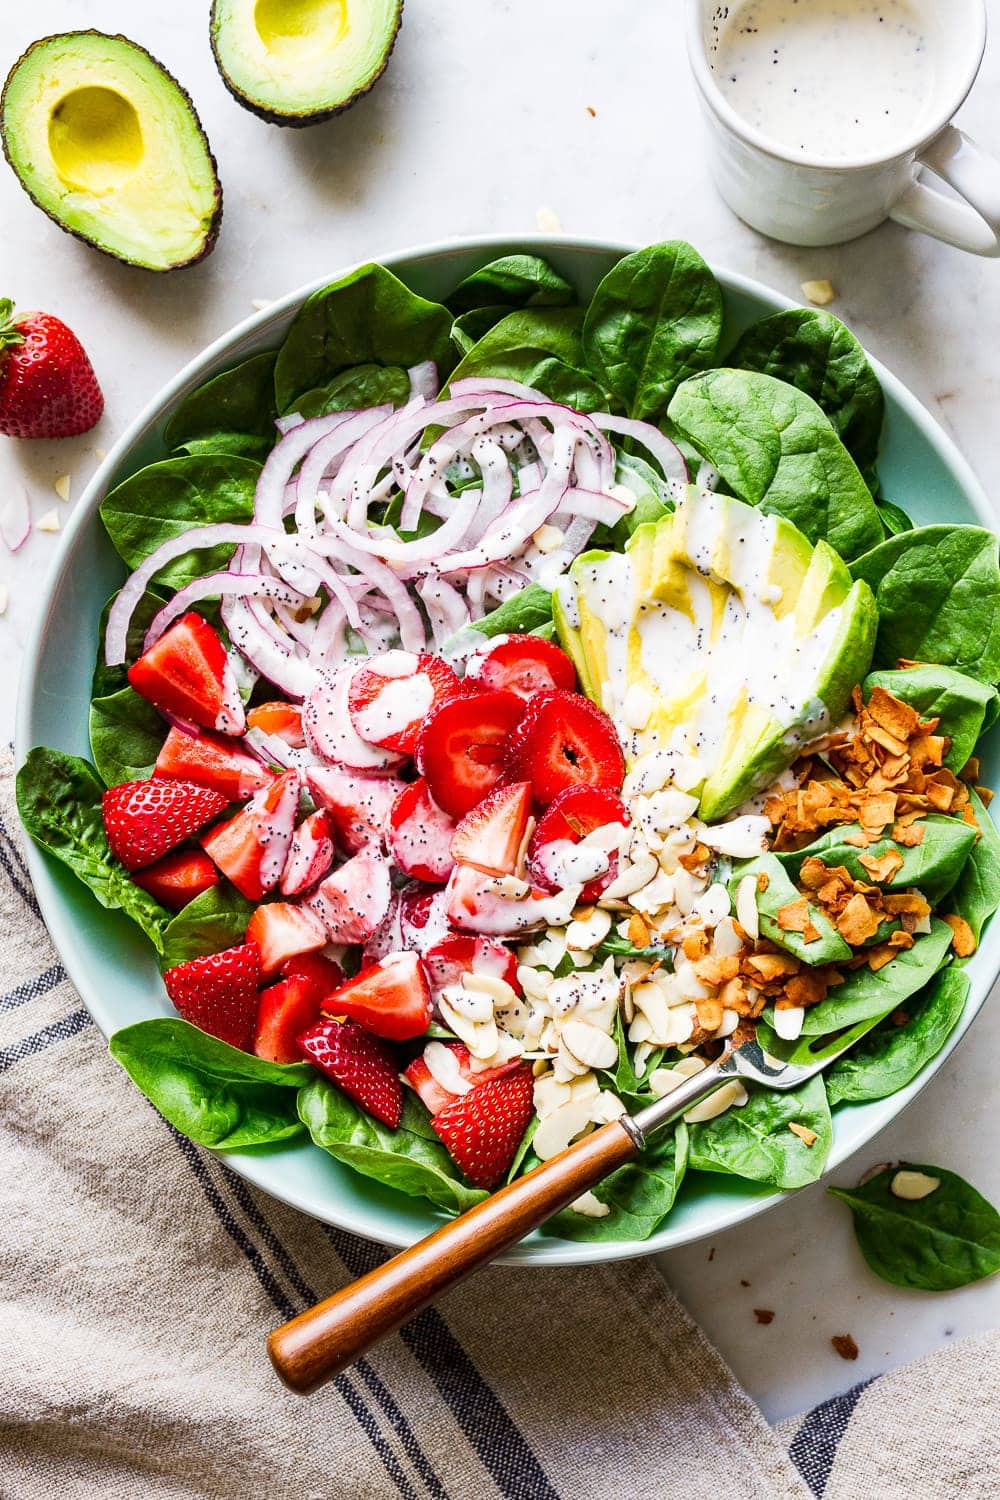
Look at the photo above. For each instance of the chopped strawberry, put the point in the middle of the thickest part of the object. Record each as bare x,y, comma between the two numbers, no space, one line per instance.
328,728
178,878
283,931
391,998
448,960
364,1066
473,904
252,847
144,819
310,855
390,697
461,748
358,805
458,1069
284,1010
219,993
422,917
420,834
187,673
212,760
483,1128
281,719
576,812
564,740
321,972
489,838
354,900
522,664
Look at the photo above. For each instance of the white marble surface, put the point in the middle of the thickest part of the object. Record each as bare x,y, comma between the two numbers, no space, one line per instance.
483,119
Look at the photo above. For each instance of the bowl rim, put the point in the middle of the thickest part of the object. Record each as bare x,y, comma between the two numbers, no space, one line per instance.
215,357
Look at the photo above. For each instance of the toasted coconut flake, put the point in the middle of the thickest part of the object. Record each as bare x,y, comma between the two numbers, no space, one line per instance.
963,939
845,1345
638,932
806,1136
794,917
857,922
882,867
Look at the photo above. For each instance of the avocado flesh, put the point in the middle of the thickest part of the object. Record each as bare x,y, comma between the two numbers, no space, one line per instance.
108,144
741,638
296,62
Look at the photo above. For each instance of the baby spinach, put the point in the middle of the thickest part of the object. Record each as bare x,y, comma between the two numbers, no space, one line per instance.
467,330
126,734
629,1086
937,1243
59,800
932,866
233,413
107,680
960,702
894,1052
828,948
654,320
639,1195
167,499
977,894
540,347
512,281
410,1159
521,613
818,354
368,317
775,448
362,386
211,1092
938,594
866,993
755,1142
215,920
894,519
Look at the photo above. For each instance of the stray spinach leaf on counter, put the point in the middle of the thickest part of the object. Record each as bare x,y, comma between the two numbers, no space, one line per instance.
932,866
775,448
539,347
512,281
233,413
938,594
639,1195
976,895
126,735
754,1141
947,1239
215,920
59,800
213,1093
892,1054
962,703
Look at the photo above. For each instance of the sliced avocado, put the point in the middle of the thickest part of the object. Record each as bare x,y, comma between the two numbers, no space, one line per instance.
723,634
296,62
108,144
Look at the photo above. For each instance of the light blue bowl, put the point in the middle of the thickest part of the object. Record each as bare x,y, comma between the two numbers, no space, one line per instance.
108,959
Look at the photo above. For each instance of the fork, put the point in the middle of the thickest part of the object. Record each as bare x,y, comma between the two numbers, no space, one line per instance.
322,1341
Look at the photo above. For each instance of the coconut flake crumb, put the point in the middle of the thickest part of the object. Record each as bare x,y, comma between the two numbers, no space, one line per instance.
63,486
820,293
548,221
845,1345
49,522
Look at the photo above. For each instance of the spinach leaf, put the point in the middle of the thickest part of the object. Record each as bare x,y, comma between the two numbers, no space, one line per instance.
623,1080
59,800
368,317
818,354
977,894
653,501
512,281
932,866
523,1151
541,347
211,1092
622,948
640,1194
467,330
828,948
775,448
107,680
521,613
215,920
894,519
233,413
363,386
937,1243
126,735
960,702
167,499
654,320
938,596
410,1159
892,1055
866,994
755,1141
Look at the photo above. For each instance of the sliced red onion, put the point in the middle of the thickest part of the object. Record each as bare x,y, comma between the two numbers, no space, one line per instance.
15,519
446,610
667,454
424,380
282,462
285,424
333,444
217,586
272,750
254,632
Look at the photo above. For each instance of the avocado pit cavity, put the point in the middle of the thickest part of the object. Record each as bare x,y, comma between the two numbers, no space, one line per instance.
289,28
95,139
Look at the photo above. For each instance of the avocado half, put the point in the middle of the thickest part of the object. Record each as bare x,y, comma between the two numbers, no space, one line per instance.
108,144
297,62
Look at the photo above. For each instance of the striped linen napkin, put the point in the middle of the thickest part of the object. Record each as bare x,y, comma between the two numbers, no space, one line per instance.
140,1276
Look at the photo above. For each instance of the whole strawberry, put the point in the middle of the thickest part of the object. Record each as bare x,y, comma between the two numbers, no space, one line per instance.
48,388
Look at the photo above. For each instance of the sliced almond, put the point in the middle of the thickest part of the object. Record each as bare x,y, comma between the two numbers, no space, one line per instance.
912,1186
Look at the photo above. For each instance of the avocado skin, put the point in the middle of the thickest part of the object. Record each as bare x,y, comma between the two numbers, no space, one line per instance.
213,229
305,117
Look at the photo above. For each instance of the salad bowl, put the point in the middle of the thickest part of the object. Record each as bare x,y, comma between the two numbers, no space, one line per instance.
107,958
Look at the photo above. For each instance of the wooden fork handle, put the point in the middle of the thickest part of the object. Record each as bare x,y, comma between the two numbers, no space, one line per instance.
325,1339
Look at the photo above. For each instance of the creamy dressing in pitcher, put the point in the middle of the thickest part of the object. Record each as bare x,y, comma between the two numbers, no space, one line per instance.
834,79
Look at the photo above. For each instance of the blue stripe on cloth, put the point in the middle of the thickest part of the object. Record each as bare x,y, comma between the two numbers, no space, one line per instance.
59,1031
33,989
13,867
814,1446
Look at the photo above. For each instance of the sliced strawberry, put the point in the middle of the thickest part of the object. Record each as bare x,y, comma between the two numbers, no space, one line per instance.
564,740
448,960
423,919
284,1010
457,1068
473,904
321,972
364,1066
283,931
328,728
358,805
178,878
390,697
483,1129
489,838
569,817
144,819
252,847
461,748
310,854
354,900
522,664
391,998
212,760
219,993
187,673
420,834
281,719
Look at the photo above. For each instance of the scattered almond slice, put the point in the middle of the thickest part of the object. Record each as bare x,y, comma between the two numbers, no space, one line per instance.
49,522
806,1136
912,1186
4,598
820,292
548,220
260,303
64,486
